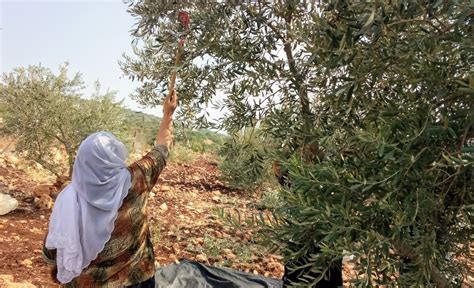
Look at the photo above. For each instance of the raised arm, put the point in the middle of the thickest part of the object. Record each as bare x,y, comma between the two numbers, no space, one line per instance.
165,134
145,171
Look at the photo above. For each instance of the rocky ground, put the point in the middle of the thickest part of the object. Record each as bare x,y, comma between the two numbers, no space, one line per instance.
184,218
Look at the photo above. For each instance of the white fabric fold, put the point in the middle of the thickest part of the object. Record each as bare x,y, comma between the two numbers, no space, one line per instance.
83,216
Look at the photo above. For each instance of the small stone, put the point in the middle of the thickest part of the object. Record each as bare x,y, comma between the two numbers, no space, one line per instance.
7,281
26,262
163,207
348,258
165,188
230,256
200,240
176,248
201,258
216,198
275,266
7,204
218,258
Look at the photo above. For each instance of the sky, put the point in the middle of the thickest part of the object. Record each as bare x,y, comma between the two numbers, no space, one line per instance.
90,35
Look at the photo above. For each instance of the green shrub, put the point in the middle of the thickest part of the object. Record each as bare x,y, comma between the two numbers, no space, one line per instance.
245,160
269,200
201,140
46,113
395,121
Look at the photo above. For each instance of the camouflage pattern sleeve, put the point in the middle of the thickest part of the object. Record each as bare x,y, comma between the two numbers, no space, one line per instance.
145,171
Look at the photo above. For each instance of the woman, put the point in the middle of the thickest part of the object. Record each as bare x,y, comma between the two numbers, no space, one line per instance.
98,233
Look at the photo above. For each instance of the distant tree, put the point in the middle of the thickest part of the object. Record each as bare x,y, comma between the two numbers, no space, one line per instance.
384,88
46,114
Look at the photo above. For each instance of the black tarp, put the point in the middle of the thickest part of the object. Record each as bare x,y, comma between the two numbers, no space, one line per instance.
190,274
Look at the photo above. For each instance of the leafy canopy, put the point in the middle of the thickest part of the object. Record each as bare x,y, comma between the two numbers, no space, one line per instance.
385,88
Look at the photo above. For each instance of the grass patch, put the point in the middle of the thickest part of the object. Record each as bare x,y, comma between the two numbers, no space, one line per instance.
270,200
182,154
215,246
155,234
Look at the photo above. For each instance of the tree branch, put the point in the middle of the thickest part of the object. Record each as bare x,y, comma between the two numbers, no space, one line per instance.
296,78
406,251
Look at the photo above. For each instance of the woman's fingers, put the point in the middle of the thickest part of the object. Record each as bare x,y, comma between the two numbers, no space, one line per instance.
173,96
170,103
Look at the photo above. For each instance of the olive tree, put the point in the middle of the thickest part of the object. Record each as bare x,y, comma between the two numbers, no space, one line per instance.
382,90
44,111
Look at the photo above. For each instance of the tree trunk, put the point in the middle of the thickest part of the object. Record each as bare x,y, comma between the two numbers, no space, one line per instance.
297,78
408,252
70,158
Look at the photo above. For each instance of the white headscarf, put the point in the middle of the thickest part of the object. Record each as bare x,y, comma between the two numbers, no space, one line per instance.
84,213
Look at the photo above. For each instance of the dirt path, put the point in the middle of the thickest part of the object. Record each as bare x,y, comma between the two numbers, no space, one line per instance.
23,231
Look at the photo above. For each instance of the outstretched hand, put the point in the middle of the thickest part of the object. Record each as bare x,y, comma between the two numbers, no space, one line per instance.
165,134
170,103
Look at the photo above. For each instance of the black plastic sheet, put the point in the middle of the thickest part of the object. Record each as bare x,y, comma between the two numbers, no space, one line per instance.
190,274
